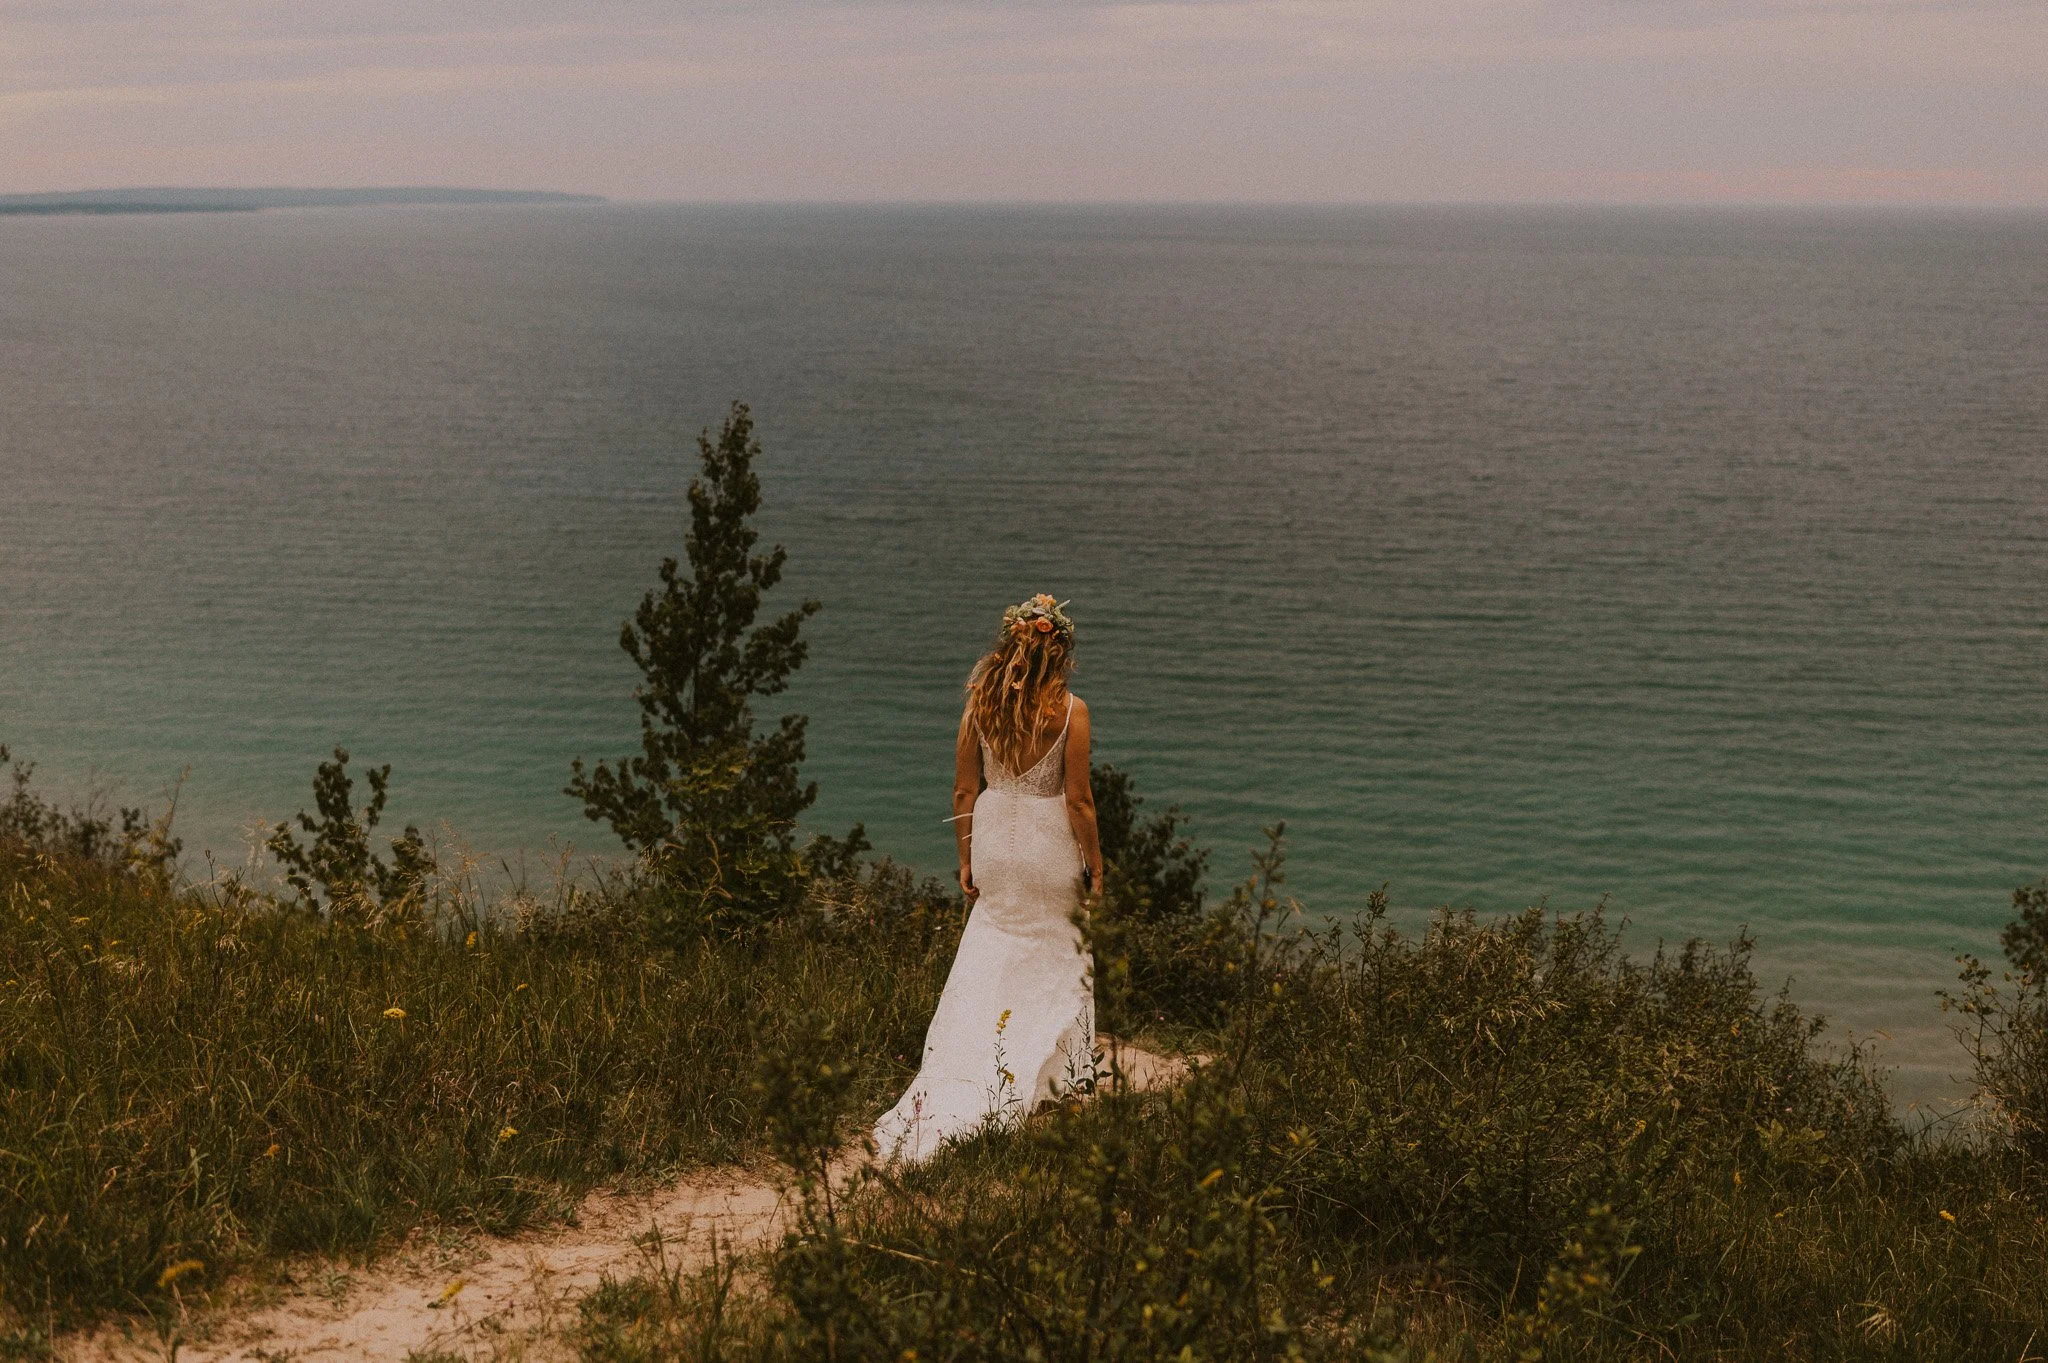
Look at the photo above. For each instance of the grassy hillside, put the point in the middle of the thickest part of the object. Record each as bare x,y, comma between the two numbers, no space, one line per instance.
1499,1140
206,1073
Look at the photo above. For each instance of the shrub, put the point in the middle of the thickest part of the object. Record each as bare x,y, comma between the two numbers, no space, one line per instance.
1497,1141
1493,1080
90,832
2025,938
2007,1032
1155,869
352,879
1160,958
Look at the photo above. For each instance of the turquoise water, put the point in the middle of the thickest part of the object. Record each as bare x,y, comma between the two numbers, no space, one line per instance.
1689,559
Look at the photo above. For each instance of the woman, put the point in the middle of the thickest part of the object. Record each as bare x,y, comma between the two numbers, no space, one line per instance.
1016,1024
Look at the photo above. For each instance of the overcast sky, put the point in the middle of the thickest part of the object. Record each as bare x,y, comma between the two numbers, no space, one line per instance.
1909,101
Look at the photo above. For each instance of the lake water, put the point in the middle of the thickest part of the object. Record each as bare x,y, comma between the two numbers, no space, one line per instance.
1690,559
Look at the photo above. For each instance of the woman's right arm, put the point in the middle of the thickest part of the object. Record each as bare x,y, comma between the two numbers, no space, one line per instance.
1081,797
966,785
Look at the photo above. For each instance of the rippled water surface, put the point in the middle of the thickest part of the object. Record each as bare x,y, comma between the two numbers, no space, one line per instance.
1692,560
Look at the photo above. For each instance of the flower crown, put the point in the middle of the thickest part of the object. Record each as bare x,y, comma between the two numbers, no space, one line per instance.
1040,615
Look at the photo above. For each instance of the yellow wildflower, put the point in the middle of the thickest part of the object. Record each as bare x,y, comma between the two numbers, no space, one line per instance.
1948,1216
395,1014
177,1271
507,1133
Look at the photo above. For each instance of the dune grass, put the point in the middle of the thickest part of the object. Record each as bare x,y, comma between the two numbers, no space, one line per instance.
205,1074
1498,1140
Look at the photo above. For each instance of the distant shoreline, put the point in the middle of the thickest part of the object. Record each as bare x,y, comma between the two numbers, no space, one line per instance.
211,200
58,209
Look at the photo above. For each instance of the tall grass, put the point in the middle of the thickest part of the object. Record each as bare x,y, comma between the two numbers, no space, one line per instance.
204,1073
1496,1140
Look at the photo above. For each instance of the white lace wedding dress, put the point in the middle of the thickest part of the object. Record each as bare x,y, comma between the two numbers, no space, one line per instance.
1016,1023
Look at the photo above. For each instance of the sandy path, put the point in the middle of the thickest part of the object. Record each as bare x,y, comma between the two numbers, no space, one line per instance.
500,1298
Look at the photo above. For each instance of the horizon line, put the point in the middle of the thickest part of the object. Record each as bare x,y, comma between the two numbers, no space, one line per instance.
1081,202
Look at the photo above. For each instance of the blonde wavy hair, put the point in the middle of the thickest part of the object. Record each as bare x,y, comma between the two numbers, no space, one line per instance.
1020,685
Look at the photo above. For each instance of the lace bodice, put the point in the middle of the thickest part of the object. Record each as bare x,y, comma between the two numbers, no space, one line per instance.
1047,777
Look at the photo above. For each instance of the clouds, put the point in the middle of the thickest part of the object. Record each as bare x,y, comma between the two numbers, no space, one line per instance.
1860,99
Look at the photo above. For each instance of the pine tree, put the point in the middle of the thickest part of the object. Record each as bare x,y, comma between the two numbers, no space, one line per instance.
710,804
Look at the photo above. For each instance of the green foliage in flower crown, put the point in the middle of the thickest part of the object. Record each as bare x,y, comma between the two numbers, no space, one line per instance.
1040,615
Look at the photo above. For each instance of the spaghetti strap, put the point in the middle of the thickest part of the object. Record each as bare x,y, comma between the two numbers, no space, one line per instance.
1060,742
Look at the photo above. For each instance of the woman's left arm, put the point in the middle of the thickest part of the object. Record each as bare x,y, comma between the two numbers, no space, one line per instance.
966,787
1081,797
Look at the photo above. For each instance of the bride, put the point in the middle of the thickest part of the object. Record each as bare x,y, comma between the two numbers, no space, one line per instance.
1016,1024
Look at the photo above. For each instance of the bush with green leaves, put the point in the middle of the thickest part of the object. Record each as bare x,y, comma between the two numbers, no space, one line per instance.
1162,956
337,872
1494,1141
1497,1078
708,803
1153,868
2006,1032
122,836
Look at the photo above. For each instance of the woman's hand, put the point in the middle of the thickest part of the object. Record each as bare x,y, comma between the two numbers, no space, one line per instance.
967,886
1093,895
